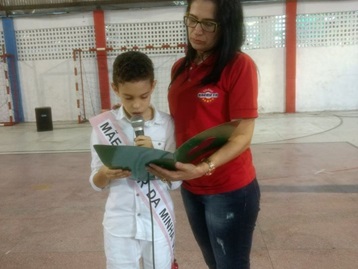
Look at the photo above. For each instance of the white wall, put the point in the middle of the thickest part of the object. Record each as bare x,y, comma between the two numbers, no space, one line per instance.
145,15
50,82
327,77
270,63
312,6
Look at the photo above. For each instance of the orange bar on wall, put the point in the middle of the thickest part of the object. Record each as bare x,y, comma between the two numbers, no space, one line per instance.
291,12
100,33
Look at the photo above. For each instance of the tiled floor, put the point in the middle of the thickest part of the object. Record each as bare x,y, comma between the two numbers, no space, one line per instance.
307,166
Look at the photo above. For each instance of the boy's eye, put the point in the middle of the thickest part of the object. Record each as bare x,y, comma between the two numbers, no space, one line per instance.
131,98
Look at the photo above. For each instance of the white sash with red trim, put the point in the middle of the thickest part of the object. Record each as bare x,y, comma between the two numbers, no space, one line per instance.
109,132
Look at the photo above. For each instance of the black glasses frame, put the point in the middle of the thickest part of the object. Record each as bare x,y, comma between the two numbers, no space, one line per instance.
188,17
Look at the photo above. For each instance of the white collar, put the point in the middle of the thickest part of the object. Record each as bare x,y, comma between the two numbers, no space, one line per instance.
157,118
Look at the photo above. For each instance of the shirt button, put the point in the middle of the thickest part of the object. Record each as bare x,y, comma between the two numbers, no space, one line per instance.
138,214
137,194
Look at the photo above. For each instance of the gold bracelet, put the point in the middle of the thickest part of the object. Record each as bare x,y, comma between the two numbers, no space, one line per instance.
211,167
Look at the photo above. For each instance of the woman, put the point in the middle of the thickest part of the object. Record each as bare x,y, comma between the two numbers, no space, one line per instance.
216,83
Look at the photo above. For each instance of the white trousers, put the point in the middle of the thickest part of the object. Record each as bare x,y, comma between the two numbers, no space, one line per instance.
130,253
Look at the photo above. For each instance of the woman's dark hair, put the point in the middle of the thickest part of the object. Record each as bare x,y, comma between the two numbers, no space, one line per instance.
229,15
132,66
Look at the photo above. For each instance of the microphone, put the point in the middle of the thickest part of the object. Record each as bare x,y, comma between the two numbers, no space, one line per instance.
137,122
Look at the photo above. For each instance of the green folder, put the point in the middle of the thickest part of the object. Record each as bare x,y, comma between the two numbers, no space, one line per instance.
135,158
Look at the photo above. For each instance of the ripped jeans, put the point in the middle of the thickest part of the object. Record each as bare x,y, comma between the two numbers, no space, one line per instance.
223,225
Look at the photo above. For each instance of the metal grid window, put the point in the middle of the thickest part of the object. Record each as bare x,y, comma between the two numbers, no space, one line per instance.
52,43
327,29
144,34
265,32
313,30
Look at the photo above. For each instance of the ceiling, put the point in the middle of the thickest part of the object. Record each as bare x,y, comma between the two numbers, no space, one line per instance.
13,8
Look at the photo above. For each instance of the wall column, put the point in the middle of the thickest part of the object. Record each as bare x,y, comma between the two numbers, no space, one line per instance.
291,12
13,70
100,34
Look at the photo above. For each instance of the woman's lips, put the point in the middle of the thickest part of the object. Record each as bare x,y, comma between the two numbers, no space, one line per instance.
197,41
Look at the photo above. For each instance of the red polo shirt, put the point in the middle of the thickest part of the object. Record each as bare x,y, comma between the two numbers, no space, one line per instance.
196,108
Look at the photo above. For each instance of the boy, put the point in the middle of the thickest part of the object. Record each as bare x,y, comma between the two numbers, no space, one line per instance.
128,219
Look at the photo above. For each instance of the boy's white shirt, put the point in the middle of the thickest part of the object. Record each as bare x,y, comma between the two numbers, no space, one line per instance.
124,204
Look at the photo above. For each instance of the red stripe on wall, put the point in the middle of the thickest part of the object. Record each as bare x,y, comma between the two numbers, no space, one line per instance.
100,33
291,12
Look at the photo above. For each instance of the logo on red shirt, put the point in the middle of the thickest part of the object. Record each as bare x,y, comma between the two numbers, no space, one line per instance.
208,95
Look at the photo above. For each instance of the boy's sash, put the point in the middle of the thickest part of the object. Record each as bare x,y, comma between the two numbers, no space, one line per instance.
109,132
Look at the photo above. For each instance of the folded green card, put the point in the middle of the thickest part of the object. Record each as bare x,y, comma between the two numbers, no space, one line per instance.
135,158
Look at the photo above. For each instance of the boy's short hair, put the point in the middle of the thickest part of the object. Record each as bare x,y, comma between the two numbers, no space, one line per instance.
132,66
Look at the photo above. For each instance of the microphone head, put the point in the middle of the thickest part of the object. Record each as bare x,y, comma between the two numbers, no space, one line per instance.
137,123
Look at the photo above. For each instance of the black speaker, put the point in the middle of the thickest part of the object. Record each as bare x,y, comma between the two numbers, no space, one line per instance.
43,119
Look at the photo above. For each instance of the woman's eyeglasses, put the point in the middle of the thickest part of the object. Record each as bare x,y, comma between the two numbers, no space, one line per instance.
206,25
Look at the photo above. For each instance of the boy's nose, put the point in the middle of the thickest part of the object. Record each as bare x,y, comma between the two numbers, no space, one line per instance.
136,104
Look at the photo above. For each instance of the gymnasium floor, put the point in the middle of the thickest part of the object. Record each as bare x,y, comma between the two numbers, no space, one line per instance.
307,166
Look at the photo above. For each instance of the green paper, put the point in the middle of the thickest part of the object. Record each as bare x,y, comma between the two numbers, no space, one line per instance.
135,158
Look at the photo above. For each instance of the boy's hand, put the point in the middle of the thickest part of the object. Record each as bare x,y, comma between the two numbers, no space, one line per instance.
105,175
111,174
143,141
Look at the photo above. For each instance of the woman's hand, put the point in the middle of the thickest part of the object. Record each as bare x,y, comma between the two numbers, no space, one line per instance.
238,142
185,171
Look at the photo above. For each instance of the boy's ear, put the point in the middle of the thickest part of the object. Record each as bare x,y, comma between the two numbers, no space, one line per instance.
154,84
114,87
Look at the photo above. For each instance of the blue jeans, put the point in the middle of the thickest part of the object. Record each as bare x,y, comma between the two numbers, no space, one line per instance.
223,225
